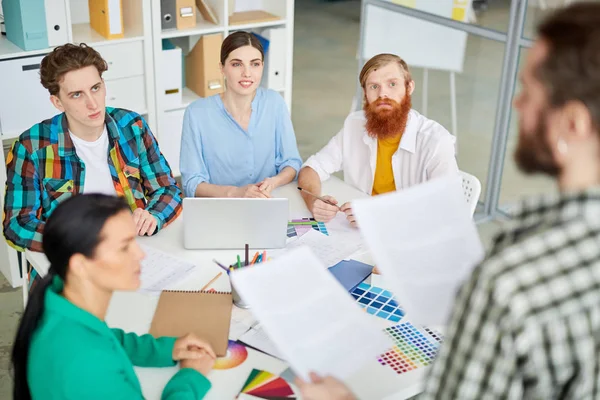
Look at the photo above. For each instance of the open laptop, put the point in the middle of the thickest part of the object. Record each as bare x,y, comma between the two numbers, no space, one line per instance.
216,223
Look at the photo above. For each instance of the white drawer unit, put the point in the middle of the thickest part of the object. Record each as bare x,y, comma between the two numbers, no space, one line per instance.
124,59
23,100
128,93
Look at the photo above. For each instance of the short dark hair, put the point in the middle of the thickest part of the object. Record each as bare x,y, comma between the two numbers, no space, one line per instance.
240,39
67,58
571,70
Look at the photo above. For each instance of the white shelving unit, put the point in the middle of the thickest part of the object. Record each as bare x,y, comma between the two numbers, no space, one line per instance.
134,77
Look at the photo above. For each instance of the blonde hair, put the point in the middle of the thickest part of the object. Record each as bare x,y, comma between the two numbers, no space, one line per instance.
379,61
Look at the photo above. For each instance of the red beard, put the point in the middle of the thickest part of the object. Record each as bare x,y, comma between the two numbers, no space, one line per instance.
385,123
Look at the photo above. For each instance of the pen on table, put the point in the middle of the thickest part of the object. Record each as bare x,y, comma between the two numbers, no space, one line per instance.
239,262
259,259
264,256
221,265
211,281
318,197
247,248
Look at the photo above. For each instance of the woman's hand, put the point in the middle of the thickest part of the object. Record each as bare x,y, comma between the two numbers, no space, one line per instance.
250,191
268,185
189,346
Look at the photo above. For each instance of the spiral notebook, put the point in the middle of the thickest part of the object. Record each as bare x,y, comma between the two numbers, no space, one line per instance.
206,314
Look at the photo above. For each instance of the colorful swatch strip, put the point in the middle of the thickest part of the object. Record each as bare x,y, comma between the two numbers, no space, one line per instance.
378,302
412,348
298,227
265,385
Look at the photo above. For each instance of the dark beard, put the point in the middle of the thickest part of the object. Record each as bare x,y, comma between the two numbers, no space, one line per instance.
533,154
383,124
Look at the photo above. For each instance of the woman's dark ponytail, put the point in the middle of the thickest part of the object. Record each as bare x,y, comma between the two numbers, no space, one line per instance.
73,228
29,322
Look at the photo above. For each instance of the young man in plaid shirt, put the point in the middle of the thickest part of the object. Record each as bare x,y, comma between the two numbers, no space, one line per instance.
88,148
527,322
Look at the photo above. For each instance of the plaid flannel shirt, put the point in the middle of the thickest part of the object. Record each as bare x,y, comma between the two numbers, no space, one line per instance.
43,170
527,322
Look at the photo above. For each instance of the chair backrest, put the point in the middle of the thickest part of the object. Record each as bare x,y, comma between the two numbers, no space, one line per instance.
472,190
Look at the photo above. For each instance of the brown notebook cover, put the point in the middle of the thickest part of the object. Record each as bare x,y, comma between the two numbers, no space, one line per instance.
206,314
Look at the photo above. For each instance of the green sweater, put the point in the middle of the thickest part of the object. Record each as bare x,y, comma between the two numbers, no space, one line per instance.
74,355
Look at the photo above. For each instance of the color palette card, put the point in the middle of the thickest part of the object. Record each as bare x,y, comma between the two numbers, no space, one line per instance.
298,227
378,301
265,385
412,349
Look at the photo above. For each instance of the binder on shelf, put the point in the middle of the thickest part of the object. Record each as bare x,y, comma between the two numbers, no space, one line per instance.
185,14
167,12
274,71
106,18
56,22
202,73
25,22
207,12
171,64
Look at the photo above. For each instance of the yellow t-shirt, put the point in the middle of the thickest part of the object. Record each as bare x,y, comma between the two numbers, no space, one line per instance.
384,175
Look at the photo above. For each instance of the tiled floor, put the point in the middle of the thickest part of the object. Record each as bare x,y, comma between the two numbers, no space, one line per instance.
325,74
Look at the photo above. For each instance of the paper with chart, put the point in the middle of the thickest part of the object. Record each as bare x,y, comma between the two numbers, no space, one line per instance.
330,250
257,337
160,270
312,321
424,242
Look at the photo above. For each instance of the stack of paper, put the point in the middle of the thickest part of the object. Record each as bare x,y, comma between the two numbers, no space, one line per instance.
424,242
311,320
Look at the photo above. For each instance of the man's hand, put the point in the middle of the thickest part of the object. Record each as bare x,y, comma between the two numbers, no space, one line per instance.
322,211
346,208
327,388
145,222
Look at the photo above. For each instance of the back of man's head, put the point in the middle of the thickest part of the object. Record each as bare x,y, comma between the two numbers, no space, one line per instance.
67,58
571,69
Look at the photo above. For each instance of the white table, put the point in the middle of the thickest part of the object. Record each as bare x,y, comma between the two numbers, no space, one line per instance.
133,311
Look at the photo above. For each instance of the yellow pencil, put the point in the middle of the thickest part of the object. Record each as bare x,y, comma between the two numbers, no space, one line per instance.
211,281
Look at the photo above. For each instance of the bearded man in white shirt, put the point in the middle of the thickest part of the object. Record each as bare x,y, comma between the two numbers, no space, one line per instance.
385,147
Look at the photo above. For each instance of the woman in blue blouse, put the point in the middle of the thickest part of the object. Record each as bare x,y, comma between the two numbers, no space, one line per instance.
240,143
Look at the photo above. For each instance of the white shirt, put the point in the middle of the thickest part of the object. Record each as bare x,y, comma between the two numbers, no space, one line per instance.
426,151
95,157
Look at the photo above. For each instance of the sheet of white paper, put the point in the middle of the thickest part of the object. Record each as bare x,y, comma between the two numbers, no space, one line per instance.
160,270
329,250
315,323
424,242
258,338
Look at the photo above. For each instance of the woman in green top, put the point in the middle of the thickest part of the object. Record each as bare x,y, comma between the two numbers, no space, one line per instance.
63,348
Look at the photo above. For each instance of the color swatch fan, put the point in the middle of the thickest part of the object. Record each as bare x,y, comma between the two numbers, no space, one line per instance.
265,385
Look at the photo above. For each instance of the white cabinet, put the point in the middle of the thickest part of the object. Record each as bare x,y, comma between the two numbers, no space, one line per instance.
23,100
128,93
123,59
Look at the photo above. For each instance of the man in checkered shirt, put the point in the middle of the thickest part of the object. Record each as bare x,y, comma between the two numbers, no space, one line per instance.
527,322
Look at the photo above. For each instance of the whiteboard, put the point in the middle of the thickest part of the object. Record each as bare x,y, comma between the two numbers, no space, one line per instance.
420,43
